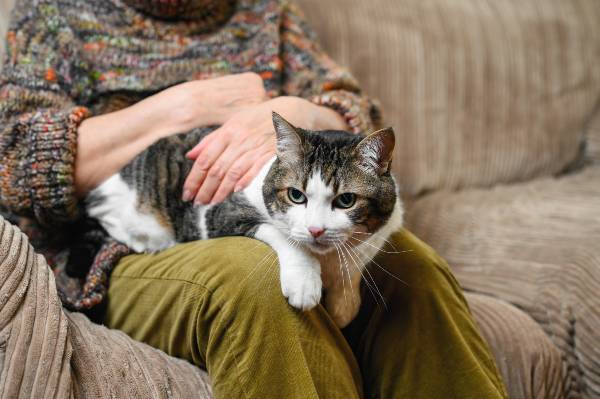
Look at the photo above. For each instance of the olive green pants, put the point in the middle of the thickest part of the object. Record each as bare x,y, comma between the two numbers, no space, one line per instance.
218,304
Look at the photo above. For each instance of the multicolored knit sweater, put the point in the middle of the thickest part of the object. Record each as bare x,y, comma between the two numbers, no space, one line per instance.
70,59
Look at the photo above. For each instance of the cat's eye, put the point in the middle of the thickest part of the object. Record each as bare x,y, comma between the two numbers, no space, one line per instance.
296,196
345,200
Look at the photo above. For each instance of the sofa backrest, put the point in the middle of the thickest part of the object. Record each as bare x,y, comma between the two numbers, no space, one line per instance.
478,92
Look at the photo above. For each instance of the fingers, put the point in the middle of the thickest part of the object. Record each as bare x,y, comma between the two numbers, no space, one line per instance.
201,167
253,171
198,148
217,173
239,168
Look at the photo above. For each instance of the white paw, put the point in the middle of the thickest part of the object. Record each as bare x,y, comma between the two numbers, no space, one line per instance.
149,241
302,285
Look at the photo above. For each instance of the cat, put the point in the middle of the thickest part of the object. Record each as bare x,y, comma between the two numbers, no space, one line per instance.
326,203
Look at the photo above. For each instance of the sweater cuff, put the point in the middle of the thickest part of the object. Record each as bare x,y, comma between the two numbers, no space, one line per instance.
360,113
50,164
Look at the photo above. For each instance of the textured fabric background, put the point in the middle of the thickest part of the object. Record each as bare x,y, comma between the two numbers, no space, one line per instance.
535,245
593,139
530,363
34,330
49,353
479,92
484,92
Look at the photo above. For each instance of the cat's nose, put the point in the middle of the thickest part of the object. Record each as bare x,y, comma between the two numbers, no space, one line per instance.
316,231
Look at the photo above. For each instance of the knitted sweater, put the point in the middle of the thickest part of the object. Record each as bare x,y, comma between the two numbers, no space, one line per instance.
69,59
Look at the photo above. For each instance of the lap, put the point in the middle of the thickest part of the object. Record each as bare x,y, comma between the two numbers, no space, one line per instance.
157,298
168,299
218,304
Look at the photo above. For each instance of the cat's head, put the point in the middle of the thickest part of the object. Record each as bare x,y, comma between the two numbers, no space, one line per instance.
330,187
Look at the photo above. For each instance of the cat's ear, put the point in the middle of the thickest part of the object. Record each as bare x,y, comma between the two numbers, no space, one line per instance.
289,140
374,152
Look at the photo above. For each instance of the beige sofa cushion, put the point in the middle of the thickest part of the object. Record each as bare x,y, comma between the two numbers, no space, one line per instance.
535,245
593,139
479,92
530,364
46,352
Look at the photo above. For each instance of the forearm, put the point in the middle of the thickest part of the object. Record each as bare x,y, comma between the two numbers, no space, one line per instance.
106,143
309,115
328,119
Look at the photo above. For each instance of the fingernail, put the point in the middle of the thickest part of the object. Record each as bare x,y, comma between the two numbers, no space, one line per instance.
199,202
237,188
187,195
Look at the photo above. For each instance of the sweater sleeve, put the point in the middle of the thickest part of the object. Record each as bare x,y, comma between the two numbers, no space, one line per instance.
38,117
310,73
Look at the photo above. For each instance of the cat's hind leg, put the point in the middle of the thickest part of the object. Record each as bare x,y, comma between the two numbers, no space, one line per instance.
114,204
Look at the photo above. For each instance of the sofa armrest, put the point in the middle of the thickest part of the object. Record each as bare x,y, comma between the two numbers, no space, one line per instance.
530,363
535,245
48,352
592,137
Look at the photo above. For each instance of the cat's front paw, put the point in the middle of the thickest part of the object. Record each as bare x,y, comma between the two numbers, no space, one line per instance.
302,285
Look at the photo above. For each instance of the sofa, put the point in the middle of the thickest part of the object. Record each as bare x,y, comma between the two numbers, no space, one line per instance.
496,108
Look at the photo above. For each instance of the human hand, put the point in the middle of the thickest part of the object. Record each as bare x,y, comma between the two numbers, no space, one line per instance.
106,143
230,157
198,103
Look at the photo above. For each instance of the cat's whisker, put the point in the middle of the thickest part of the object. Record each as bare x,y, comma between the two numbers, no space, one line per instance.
258,244
264,260
347,270
378,237
378,248
367,282
365,279
350,249
272,261
271,264
342,271
267,258
372,260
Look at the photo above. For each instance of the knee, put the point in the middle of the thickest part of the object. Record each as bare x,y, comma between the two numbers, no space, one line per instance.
410,273
242,276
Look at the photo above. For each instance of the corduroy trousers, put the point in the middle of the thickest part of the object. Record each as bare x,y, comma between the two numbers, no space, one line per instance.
218,304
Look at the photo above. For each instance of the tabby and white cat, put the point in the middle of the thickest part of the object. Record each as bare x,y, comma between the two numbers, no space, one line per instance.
326,203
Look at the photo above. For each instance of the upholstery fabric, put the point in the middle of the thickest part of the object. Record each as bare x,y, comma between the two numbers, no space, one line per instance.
48,352
535,245
593,139
530,364
479,92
